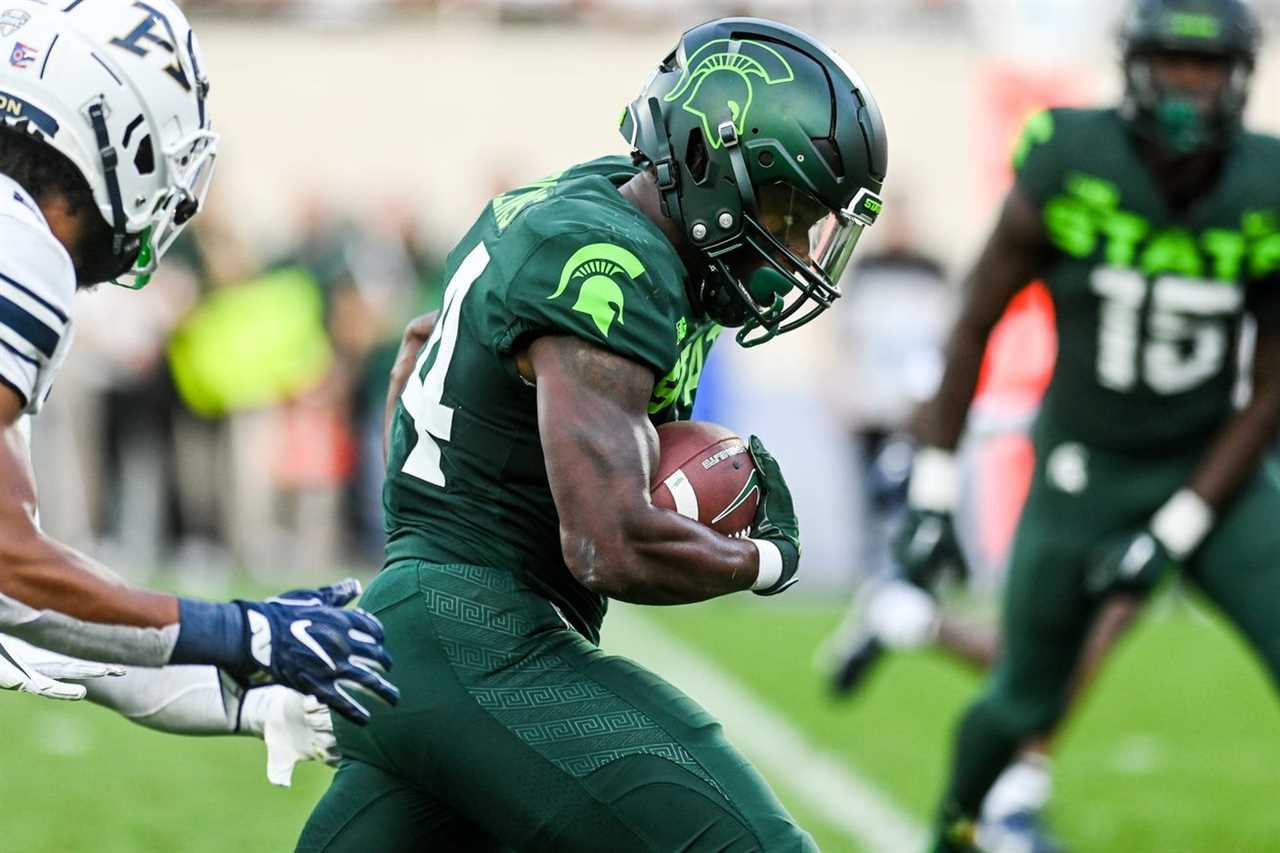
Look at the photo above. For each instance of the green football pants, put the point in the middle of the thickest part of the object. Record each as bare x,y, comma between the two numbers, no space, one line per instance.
514,732
1047,614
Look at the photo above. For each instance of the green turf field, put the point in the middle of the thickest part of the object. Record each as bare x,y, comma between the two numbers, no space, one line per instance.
1176,751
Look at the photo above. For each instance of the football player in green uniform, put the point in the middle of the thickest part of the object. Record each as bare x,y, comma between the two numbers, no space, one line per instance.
1156,226
578,314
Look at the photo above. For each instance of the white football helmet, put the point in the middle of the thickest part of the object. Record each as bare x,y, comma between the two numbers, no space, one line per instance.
118,87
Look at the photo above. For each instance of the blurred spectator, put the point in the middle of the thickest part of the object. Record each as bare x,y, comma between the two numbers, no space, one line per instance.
235,416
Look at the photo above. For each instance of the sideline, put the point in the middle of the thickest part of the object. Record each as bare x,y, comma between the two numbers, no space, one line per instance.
829,788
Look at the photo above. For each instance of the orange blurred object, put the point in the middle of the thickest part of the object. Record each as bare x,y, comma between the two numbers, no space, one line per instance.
1015,372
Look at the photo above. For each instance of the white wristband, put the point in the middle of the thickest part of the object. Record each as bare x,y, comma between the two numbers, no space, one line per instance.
935,480
770,571
1182,523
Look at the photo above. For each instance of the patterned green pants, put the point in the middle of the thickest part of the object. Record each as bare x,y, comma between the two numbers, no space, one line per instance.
516,733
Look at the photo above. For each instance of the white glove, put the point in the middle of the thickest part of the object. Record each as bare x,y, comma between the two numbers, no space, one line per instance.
27,669
901,615
295,728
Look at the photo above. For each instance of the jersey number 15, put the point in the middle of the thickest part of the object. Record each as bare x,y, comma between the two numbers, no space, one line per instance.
1184,340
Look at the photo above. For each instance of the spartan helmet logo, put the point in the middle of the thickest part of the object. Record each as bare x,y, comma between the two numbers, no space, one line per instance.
599,267
720,82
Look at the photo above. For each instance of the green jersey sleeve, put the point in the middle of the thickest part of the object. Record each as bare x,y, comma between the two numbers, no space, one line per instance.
1037,167
603,290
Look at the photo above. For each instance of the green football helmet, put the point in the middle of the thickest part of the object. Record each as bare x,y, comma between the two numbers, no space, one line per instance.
1219,29
769,153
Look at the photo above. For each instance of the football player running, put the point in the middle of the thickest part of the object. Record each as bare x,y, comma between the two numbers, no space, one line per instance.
1156,226
106,151
578,314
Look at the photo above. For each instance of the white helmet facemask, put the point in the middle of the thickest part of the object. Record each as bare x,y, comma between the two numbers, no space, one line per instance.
119,88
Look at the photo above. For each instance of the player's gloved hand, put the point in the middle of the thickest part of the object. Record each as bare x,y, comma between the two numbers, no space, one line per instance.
926,544
304,640
775,530
40,677
295,728
1136,560
1132,562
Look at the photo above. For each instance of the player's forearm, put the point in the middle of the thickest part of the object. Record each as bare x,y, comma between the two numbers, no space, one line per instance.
183,700
1235,453
56,598
43,574
660,557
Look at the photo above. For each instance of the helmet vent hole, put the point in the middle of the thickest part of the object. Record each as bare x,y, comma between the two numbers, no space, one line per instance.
697,160
829,153
766,159
145,160
755,130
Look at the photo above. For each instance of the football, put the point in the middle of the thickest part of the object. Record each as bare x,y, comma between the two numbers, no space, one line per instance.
705,472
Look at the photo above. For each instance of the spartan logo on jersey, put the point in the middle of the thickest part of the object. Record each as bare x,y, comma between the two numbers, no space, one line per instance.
600,267
144,38
717,78
12,20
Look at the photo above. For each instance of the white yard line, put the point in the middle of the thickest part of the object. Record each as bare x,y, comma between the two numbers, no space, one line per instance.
830,789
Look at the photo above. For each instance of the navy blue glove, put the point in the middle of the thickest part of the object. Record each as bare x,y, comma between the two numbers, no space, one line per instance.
304,640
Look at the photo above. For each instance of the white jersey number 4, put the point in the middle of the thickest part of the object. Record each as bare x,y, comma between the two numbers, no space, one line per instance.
421,397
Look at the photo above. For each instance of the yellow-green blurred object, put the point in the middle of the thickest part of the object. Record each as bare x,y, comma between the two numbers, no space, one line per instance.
252,345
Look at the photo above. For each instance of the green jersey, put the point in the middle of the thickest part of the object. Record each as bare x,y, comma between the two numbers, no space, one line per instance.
466,477
1149,300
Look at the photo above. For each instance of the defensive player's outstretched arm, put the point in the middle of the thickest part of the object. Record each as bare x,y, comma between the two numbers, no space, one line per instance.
57,598
1010,260
44,575
600,450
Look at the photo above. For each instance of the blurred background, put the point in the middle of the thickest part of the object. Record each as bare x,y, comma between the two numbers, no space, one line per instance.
225,423
230,417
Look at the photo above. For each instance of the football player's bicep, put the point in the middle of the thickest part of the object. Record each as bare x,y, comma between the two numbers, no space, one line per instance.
596,436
